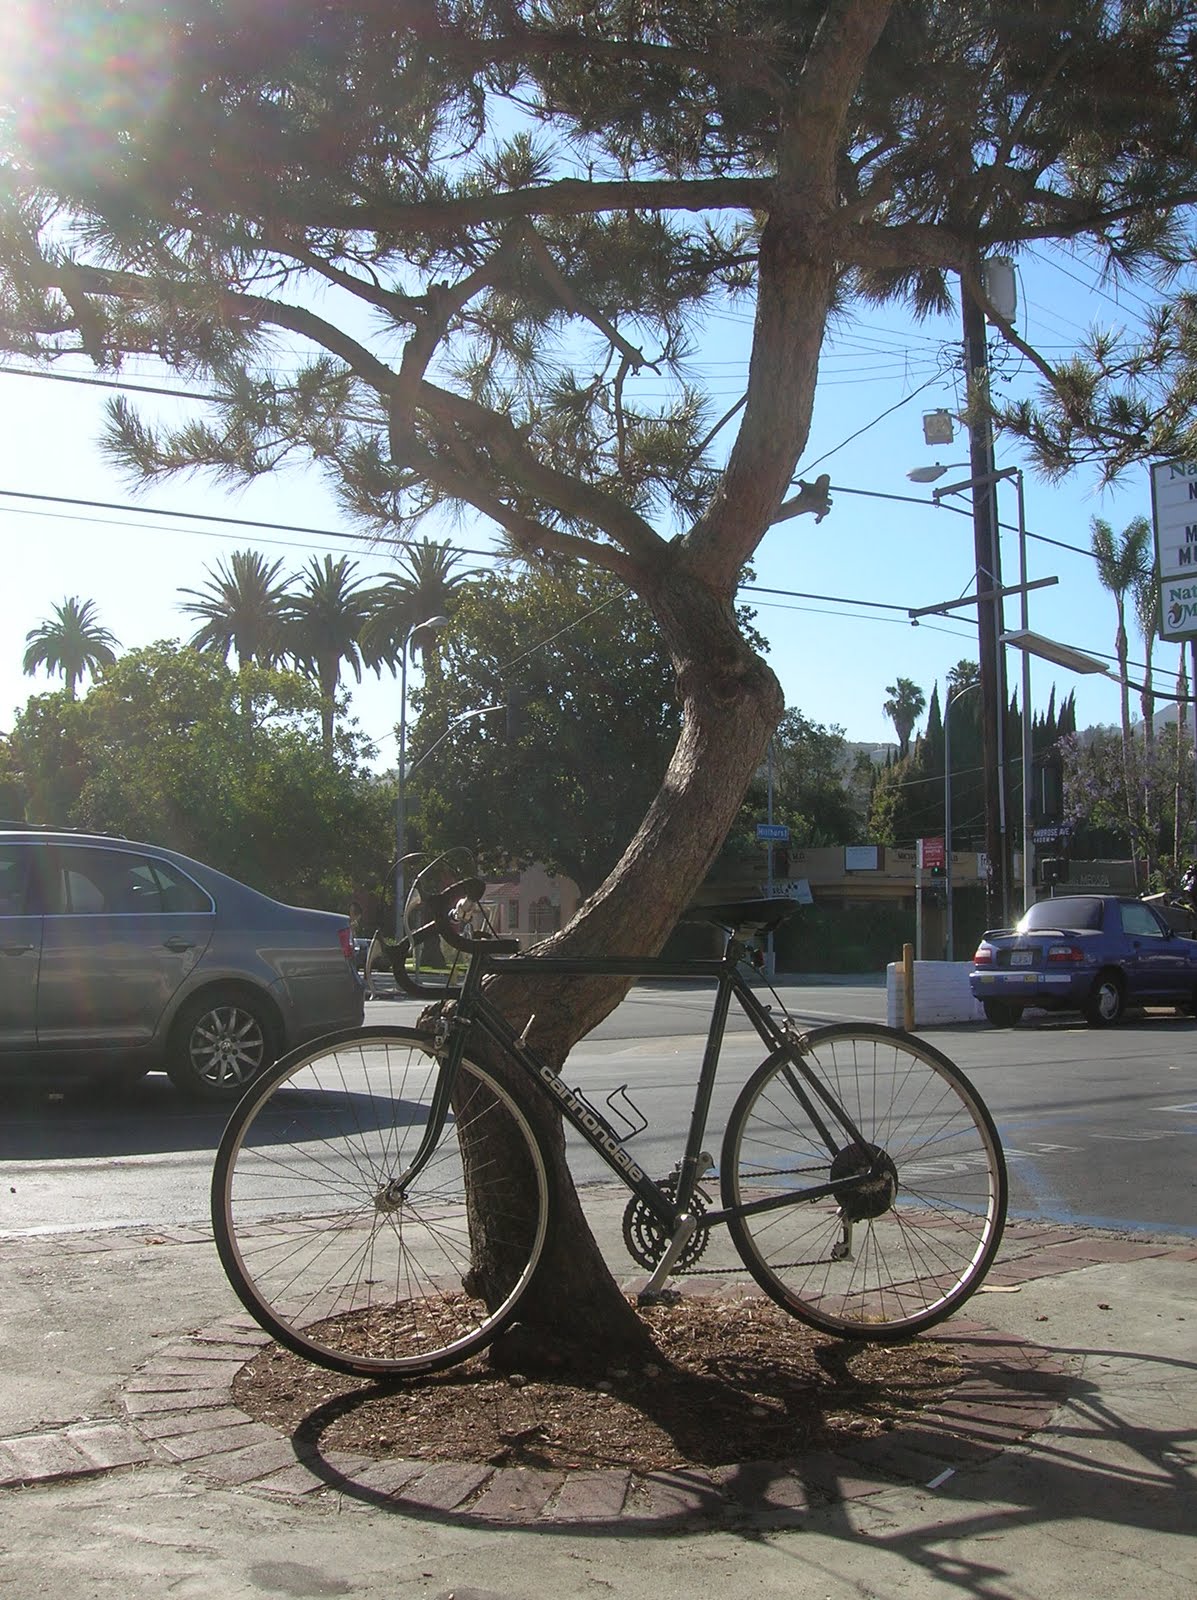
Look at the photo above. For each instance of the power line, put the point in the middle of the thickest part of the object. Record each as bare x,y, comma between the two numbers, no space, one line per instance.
332,534
807,466
225,521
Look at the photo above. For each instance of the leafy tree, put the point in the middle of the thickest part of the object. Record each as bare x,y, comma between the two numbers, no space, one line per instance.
488,225
1095,791
321,623
72,644
1126,395
261,803
811,789
565,764
903,708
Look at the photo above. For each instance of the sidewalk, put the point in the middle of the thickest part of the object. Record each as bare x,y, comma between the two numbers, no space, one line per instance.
1064,1464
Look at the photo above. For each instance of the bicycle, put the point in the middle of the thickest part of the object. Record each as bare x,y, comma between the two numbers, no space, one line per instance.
365,1219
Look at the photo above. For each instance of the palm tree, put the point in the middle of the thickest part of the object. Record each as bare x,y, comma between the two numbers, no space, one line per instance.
322,625
962,676
904,707
426,585
241,606
74,643
1122,559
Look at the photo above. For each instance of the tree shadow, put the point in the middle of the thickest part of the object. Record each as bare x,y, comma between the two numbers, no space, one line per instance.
148,1116
931,1495
1085,1458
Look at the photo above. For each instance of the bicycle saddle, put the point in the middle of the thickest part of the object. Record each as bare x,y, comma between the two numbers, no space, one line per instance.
743,916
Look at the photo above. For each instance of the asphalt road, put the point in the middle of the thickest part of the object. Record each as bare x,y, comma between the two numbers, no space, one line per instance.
1098,1125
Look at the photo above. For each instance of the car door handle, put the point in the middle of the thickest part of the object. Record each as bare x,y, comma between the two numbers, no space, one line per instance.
178,944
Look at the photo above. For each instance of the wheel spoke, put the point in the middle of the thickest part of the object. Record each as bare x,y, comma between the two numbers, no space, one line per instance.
926,1191
334,1264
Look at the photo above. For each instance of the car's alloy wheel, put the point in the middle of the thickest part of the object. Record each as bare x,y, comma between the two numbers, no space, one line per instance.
221,1043
1107,1002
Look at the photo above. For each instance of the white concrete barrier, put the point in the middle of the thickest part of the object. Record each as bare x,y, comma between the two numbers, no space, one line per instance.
941,994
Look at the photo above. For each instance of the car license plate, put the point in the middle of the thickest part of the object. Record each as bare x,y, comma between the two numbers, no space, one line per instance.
1021,958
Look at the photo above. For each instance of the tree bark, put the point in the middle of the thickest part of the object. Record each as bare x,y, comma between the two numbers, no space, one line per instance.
731,704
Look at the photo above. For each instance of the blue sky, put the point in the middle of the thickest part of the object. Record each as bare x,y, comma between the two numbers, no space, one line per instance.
833,644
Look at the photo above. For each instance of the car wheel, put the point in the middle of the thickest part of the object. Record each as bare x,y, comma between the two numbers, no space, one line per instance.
1002,1013
221,1042
1107,1001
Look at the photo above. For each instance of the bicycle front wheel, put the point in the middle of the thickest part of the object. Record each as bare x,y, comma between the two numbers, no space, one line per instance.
916,1203
339,1252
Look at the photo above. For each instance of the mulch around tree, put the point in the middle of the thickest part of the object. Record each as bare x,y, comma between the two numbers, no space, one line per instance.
733,1380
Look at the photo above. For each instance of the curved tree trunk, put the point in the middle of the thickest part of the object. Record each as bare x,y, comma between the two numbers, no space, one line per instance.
731,704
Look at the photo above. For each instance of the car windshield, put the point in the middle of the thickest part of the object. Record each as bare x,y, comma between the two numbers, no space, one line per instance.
1067,911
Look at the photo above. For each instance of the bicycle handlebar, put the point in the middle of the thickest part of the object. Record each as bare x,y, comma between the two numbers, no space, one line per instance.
442,920
443,926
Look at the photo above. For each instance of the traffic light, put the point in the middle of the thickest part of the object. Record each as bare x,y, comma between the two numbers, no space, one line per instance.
1051,870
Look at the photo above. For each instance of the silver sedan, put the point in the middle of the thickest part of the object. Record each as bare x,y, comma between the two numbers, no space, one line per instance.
122,958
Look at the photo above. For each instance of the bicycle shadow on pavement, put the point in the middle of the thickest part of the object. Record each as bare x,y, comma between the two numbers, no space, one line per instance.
1113,1486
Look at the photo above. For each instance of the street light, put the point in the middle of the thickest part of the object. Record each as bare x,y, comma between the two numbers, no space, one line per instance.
428,627
1052,650
453,722
930,474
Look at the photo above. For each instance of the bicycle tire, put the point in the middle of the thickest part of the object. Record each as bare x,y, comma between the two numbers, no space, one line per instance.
334,1265
924,1228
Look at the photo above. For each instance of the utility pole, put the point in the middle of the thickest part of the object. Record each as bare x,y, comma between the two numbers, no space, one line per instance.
990,627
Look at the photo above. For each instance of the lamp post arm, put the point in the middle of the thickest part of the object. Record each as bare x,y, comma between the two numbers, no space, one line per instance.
454,722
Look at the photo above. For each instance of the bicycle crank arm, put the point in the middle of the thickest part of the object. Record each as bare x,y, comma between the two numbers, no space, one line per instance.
686,1225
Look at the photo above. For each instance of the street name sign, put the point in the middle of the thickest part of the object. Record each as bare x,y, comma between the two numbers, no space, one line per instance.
773,832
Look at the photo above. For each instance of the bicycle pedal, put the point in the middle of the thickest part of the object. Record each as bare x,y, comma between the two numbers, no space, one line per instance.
659,1297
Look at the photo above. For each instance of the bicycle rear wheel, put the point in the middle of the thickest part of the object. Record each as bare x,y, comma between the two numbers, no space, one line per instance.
331,1248
917,1208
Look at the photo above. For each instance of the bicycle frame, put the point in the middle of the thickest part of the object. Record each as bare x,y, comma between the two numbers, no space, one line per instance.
475,1014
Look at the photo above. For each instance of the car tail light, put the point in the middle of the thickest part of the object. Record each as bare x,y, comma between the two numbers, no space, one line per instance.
1064,954
346,937
984,956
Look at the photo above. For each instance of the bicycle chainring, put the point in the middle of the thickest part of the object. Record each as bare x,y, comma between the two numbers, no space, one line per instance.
646,1238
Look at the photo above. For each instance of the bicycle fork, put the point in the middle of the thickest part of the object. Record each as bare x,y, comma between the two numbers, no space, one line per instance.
393,1193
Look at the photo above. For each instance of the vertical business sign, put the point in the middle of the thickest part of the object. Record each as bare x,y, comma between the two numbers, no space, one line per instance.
1174,514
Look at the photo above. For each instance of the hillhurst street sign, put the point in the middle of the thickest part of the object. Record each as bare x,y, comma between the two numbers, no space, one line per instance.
1174,513
773,832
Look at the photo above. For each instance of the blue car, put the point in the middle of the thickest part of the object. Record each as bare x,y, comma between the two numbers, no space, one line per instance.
1092,953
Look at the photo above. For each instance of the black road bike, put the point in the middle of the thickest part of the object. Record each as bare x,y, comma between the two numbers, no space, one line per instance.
358,1196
